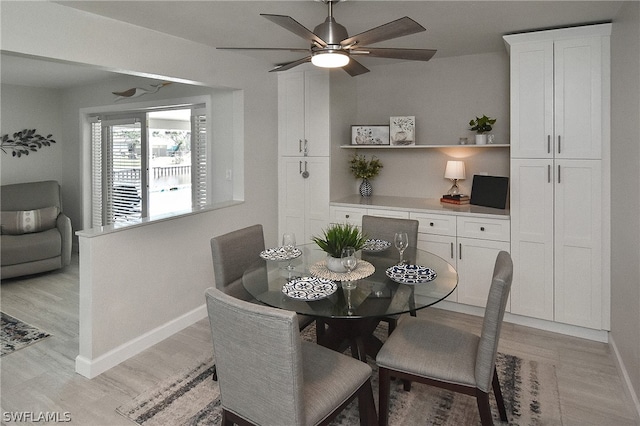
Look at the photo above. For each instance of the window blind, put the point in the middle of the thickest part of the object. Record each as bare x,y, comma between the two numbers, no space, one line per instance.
199,161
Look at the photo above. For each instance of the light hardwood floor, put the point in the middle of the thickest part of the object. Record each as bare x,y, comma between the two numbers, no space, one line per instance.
41,377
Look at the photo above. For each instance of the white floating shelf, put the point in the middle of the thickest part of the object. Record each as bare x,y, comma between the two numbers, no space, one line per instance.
493,145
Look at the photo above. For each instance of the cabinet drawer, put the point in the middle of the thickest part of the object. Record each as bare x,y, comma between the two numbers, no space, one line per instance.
346,215
486,229
388,213
435,224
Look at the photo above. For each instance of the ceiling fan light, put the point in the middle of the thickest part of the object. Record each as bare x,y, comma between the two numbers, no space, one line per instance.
330,59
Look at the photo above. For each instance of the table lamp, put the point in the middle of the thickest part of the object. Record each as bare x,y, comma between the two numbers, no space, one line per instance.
454,171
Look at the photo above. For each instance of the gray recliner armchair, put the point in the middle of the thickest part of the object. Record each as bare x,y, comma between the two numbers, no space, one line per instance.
36,235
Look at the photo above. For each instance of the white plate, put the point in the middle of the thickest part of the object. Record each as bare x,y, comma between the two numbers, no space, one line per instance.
309,288
372,245
411,274
279,253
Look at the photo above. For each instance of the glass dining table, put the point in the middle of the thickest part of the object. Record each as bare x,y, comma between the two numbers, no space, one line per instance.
347,318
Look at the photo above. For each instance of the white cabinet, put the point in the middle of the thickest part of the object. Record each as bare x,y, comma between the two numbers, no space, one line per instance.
303,113
304,202
304,127
353,215
560,137
557,92
471,244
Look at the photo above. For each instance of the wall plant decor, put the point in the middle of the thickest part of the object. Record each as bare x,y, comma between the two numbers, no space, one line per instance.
24,142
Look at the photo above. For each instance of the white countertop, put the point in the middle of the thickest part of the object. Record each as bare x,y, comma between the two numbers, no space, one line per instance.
419,205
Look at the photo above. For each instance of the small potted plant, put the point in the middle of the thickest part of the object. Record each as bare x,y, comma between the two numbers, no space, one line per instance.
481,125
336,237
365,169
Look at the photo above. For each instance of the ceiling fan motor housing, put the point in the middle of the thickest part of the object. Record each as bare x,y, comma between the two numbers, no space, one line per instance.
331,32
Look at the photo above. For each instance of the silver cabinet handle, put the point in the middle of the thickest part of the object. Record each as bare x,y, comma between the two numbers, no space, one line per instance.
306,147
305,174
452,250
460,251
548,173
558,173
548,144
300,167
299,145
559,150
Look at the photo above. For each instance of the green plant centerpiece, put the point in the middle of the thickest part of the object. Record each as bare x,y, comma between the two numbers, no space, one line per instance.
365,169
482,124
336,237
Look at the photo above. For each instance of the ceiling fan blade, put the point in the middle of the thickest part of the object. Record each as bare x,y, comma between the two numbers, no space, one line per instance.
288,23
289,65
408,54
288,49
355,68
398,28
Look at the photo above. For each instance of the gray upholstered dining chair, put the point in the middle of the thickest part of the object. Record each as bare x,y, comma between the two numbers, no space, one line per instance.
269,376
232,253
385,228
443,356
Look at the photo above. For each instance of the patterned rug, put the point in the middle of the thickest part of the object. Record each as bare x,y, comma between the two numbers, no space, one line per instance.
17,335
529,388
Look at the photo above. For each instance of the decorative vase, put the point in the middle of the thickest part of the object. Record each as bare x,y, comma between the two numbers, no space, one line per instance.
481,139
335,264
365,188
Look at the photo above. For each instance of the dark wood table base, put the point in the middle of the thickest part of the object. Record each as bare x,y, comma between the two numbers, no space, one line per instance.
357,333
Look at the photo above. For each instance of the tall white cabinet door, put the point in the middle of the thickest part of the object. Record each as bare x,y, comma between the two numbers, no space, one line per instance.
317,113
316,196
532,211
532,100
291,114
578,98
476,259
578,243
291,188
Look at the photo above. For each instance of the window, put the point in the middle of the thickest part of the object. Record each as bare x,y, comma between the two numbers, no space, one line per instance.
148,163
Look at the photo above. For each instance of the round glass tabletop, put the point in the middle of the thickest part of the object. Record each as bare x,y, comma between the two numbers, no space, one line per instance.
425,280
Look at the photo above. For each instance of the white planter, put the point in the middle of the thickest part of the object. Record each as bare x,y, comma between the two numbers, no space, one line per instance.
335,264
481,139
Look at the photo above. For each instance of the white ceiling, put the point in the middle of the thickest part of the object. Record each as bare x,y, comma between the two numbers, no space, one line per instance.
453,27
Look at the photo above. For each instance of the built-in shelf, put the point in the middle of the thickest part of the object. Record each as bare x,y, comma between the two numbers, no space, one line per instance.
494,145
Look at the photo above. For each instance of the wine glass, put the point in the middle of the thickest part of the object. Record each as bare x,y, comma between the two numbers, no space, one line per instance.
401,241
349,262
289,245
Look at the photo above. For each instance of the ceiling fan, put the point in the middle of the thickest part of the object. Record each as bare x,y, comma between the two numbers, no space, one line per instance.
331,46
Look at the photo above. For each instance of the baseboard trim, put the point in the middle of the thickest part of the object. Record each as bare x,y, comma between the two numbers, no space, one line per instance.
91,368
629,390
555,327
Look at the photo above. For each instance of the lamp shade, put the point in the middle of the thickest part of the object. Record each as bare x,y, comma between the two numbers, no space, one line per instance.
454,170
330,59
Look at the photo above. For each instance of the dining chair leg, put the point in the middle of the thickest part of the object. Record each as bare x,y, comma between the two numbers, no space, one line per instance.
497,392
384,384
482,399
366,405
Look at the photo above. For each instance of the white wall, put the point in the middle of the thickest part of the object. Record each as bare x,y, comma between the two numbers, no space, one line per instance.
33,108
130,294
625,191
443,95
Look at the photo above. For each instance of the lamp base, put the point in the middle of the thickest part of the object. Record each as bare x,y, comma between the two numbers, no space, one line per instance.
454,190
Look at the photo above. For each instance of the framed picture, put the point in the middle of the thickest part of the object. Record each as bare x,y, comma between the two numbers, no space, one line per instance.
370,135
403,130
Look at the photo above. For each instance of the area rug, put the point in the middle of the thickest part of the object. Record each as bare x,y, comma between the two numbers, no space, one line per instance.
529,388
16,334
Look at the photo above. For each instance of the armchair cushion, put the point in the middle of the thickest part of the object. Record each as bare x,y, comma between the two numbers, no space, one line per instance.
27,221
30,247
